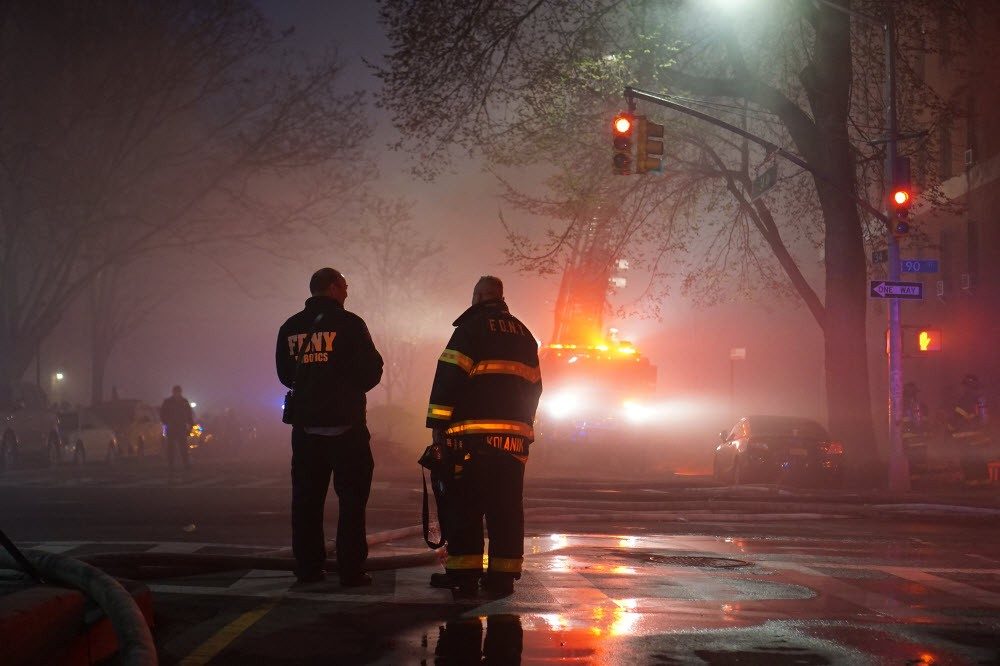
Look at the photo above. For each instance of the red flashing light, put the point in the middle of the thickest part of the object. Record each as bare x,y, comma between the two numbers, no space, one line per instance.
833,448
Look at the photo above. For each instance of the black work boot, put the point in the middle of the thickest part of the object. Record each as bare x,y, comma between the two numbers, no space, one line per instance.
442,580
500,584
464,585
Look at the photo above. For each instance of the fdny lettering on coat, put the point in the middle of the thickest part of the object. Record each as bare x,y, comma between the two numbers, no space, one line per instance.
505,326
506,443
317,349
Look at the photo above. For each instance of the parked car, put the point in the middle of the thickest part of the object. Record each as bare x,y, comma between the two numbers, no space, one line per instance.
28,429
778,449
86,435
137,425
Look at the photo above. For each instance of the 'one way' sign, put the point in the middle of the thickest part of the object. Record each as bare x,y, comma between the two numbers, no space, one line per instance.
886,289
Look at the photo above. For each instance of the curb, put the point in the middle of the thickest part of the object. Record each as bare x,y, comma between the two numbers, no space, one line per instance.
45,624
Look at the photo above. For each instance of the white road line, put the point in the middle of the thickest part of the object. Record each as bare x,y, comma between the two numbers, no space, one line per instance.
961,590
570,589
263,594
266,483
873,601
413,585
210,481
56,546
256,580
178,547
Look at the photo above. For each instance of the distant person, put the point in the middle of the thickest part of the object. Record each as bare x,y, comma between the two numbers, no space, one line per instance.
326,356
177,418
968,425
914,426
482,409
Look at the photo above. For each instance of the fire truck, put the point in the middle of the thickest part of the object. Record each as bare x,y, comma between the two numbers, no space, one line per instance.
597,385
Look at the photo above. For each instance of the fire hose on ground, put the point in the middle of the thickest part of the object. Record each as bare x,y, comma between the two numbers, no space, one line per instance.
136,647
135,642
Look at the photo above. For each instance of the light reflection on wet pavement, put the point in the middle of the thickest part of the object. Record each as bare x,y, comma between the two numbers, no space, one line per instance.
600,599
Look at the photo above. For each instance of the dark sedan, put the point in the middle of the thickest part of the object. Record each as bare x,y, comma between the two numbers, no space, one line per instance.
778,449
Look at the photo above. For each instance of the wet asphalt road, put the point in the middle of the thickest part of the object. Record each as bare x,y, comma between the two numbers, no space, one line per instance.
666,571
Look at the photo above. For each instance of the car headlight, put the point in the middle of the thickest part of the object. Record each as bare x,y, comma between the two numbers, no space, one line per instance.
637,412
564,405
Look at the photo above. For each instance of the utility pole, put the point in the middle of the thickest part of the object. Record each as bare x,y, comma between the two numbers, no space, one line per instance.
899,469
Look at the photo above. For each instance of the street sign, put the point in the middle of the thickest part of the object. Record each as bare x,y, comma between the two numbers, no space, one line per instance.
764,181
880,256
738,354
886,289
918,265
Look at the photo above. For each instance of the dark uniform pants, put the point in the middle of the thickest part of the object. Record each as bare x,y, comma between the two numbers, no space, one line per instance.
177,439
488,483
348,457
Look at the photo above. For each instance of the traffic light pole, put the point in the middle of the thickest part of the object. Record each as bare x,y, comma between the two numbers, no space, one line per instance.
632,94
899,470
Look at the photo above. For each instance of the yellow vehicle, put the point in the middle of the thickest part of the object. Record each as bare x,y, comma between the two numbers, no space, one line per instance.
136,425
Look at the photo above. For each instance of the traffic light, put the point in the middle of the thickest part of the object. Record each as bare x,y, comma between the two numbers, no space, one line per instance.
622,129
901,196
648,146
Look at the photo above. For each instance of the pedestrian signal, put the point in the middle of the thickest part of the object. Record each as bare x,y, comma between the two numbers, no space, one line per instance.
928,340
918,341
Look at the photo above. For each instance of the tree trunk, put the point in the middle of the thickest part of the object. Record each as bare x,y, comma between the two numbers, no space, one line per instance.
827,82
848,395
98,368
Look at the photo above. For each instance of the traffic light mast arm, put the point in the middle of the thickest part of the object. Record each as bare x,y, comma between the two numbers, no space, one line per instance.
632,94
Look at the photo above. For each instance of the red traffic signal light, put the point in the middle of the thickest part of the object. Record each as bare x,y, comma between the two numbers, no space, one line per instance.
621,129
623,124
901,198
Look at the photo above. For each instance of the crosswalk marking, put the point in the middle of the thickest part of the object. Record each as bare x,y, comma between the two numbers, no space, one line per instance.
961,590
157,480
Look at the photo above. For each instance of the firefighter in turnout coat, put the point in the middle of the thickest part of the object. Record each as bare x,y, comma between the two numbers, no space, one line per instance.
482,409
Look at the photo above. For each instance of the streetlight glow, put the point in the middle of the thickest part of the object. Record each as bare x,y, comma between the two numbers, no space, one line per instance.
60,376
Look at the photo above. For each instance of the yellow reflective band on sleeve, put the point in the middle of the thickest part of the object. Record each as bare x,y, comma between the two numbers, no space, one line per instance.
490,426
456,358
506,564
439,411
515,368
464,562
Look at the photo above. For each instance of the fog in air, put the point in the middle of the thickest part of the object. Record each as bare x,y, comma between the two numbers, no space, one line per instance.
205,307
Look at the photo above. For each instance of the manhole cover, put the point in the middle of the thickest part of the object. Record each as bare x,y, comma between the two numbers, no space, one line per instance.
687,560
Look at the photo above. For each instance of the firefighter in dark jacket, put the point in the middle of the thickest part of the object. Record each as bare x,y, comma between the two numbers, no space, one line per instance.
326,356
482,409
